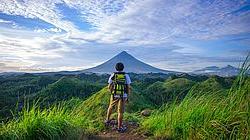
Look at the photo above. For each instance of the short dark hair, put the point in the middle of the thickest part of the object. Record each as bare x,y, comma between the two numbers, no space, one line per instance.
119,66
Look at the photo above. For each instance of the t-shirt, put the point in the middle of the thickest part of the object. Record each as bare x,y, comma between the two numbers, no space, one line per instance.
128,81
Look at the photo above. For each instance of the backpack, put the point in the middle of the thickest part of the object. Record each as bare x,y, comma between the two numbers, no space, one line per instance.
119,84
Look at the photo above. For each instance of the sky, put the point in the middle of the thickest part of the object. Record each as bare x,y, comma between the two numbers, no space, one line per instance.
179,35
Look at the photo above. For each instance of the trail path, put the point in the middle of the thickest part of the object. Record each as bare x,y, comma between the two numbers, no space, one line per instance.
111,134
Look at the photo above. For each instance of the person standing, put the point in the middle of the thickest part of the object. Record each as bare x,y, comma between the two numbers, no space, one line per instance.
119,86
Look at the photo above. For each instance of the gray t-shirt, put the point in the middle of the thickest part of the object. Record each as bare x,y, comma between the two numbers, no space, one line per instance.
128,81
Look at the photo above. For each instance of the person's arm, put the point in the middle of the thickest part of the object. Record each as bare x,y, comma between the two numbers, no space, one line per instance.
110,87
129,88
110,83
128,82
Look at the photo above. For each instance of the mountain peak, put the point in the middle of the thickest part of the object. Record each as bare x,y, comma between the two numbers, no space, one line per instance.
123,53
229,66
212,67
131,64
123,56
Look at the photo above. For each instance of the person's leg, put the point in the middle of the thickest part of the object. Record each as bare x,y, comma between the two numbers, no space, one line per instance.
109,112
120,112
111,105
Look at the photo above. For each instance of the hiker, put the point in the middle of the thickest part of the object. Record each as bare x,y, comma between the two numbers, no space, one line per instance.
119,86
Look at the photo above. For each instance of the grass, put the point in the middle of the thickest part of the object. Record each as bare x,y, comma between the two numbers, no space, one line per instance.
52,123
68,119
207,116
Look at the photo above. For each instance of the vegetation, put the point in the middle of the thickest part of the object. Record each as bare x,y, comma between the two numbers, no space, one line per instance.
69,106
33,123
51,89
206,116
165,92
66,88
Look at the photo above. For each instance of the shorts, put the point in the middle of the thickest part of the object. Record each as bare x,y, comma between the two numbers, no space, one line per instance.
119,102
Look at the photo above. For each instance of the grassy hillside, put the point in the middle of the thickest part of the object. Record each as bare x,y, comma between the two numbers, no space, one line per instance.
66,88
168,91
56,122
15,90
184,108
61,120
97,105
205,116
213,85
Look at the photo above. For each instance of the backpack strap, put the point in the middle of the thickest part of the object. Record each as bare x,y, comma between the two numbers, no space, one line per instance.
119,72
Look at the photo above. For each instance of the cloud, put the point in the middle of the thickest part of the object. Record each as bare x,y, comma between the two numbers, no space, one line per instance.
2,64
141,22
159,21
51,30
44,10
5,21
27,50
9,23
157,29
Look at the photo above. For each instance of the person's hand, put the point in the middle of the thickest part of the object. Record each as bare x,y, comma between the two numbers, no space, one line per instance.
126,100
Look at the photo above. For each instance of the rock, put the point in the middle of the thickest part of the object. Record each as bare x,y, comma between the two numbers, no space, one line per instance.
146,112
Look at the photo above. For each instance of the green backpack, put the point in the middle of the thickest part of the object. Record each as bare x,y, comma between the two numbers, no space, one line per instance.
119,84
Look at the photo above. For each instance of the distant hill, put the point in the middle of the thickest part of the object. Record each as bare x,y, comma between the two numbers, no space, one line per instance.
213,70
163,92
66,88
131,65
6,74
213,85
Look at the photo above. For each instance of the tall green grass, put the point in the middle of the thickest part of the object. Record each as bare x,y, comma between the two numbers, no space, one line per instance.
64,120
207,116
60,121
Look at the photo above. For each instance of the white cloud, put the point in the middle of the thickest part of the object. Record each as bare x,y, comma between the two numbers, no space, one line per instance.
26,49
5,21
123,23
161,21
51,30
44,10
8,22
140,22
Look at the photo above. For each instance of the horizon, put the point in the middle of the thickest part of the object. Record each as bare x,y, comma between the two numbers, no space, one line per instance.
121,53
50,36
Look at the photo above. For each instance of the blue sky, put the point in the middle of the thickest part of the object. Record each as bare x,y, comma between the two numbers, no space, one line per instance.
181,35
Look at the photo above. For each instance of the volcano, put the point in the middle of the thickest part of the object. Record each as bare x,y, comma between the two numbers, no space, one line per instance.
131,64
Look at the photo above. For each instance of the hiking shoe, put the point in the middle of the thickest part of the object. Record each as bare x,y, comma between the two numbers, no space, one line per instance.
122,129
107,123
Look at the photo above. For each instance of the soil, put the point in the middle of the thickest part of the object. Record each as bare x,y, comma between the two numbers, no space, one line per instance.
111,134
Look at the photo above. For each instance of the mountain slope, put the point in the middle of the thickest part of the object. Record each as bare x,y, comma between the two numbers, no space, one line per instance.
213,84
66,88
163,92
131,65
99,102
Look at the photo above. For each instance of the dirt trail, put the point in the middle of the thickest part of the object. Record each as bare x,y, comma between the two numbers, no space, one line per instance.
111,134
